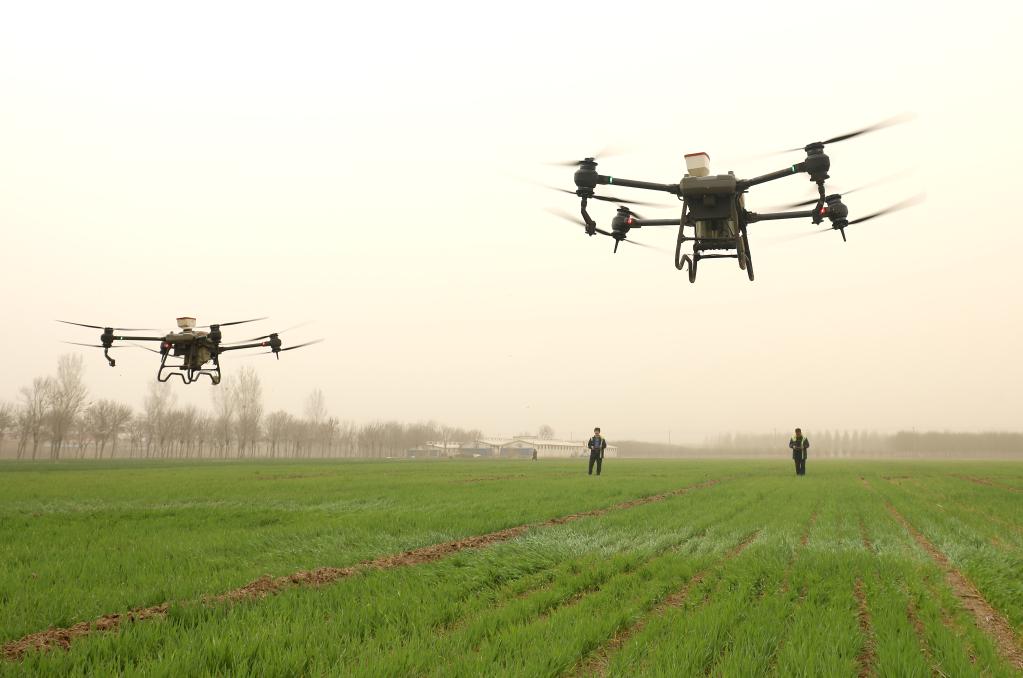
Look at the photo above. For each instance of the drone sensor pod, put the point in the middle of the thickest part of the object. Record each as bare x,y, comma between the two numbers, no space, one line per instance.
697,164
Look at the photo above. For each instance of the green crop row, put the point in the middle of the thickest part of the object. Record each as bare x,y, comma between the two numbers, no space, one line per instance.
777,573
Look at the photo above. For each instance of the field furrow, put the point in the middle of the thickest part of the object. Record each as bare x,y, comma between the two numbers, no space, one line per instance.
986,616
478,568
264,586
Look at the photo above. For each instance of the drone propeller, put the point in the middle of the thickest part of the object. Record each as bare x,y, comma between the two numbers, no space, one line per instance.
78,343
608,198
878,182
128,345
118,329
267,336
606,152
233,322
635,242
289,348
842,137
575,220
909,202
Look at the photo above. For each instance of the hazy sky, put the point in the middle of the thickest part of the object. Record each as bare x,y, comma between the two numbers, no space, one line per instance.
368,166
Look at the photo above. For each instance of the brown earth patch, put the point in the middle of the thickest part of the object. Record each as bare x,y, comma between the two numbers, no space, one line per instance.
484,479
867,655
921,637
865,537
809,526
986,481
266,585
294,476
987,617
598,662
61,638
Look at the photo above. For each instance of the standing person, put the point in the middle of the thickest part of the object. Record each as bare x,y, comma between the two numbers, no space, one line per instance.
798,444
597,445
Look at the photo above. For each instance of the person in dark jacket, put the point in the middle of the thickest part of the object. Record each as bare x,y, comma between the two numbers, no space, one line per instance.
597,445
799,444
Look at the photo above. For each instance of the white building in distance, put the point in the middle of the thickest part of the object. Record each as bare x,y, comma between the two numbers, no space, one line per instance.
545,449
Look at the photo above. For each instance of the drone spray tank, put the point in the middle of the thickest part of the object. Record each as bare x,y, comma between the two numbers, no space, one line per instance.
708,198
697,164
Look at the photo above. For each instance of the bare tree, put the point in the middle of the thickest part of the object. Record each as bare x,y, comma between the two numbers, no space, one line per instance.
546,432
31,417
7,421
65,397
277,426
316,407
158,405
248,396
224,406
104,420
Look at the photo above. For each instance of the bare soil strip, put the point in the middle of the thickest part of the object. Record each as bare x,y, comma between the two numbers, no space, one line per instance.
54,638
921,637
597,663
986,481
987,617
266,585
867,655
809,526
867,544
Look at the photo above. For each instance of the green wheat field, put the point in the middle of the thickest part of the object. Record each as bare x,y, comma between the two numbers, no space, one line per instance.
482,568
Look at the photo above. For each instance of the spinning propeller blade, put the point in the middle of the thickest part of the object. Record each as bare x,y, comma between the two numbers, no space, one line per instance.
871,184
289,348
606,152
904,117
267,336
118,329
566,216
909,202
235,322
609,198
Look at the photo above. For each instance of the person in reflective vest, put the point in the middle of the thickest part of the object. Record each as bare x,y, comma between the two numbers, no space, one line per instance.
597,445
799,444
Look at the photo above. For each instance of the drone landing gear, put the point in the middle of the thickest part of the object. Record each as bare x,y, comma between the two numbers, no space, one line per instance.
188,375
746,254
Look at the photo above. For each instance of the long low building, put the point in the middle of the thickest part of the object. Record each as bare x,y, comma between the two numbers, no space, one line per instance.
545,449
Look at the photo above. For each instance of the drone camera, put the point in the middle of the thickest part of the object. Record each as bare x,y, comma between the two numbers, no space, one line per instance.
186,323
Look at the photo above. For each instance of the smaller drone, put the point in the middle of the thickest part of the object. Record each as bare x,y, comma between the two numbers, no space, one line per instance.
195,347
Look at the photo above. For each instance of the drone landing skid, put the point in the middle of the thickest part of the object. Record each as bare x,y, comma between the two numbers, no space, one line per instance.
712,248
188,375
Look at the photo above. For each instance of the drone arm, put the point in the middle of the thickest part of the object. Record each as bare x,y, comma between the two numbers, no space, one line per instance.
629,183
640,223
764,178
122,338
752,217
258,344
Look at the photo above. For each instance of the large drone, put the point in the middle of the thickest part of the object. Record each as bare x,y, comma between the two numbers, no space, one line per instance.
713,206
196,347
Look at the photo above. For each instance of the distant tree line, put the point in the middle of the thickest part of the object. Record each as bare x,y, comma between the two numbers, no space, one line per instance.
52,419
868,444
